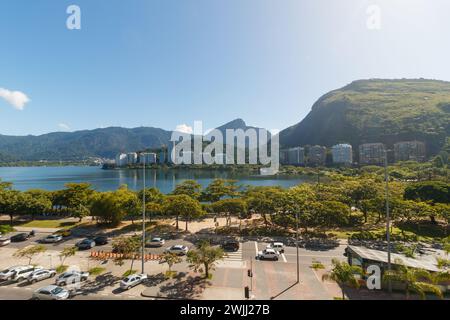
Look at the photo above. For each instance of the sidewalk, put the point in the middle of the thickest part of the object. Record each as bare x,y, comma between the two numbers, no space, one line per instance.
39,230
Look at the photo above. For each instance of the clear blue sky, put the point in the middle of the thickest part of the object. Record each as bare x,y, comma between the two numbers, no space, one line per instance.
163,63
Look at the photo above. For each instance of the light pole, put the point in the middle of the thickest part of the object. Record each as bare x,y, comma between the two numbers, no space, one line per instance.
388,222
296,243
143,218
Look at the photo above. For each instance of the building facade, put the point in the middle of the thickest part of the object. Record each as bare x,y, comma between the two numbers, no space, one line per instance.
317,155
121,160
147,158
295,156
342,154
132,158
371,153
410,150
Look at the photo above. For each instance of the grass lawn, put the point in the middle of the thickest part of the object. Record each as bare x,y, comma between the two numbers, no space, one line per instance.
60,224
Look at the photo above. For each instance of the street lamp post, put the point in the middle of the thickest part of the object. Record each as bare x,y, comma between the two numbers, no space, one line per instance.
388,222
296,243
143,219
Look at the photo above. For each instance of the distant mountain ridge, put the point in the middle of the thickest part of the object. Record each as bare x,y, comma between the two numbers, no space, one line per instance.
97,143
80,145
377,110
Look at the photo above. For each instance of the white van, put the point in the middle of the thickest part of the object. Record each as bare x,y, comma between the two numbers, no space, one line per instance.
277,246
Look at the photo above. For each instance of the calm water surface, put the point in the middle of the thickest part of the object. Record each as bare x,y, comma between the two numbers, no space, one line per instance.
54,178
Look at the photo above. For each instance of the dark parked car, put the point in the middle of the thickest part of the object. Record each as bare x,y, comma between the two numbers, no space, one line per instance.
20,237
86,244
101,240
230,245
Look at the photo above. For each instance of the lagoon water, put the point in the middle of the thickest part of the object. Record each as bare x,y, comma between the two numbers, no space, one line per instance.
54,178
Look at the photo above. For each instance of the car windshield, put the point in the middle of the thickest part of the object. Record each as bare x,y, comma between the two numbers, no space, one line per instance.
6,271
57,290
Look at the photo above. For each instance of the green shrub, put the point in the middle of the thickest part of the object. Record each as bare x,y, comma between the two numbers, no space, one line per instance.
95,271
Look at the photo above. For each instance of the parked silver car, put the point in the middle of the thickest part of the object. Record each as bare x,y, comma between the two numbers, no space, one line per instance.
51,293
8,274
178,249
53,238
132,280
71,277
22,273
4,241
40,275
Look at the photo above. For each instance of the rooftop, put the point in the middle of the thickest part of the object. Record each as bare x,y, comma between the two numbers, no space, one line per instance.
381,256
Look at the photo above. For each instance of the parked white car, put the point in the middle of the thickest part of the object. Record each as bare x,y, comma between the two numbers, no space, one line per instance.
71,277
156,242
8,274
4,241
40,275
53,238
132,280
22,273
277,246
178,249
51,293
268,254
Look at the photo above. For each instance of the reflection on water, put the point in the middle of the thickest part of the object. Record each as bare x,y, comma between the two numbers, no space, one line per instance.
54,178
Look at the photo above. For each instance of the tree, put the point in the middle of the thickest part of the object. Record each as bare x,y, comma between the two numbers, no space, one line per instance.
236,207
190,188
153,201
265,201
182,205
129,202
29,252
112,207
434,191
37,202
414,280
204,258
76,197
361,192
5,185
170,258
344,275
218,189
66,253
10,203
128,247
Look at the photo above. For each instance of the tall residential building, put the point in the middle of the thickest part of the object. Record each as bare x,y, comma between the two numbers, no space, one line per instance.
284,156
342,153
132,158
147,158
121,160
410,150
371,153
162,157
317,155
296,156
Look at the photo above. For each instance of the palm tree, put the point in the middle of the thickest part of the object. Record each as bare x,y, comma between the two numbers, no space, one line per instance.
419,281
344,275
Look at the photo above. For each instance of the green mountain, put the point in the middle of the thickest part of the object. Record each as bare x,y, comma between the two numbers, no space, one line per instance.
377,110
79,145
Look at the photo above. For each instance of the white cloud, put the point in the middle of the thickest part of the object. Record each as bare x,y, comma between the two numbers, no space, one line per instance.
15,98
184,128
64,126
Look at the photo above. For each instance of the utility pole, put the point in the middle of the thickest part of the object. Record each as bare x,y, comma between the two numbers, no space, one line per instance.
296,244
388,222
143,218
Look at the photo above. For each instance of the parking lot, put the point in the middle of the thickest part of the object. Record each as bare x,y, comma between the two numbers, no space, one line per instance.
271,279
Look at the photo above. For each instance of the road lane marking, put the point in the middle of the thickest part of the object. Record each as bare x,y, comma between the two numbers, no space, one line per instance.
256,247
284,258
